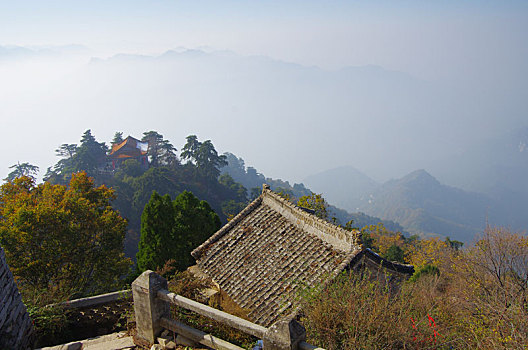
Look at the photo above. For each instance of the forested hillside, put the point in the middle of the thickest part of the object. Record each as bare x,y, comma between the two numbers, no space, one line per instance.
151,186
253,180
166,174
250,178
222,180
422,205
418,202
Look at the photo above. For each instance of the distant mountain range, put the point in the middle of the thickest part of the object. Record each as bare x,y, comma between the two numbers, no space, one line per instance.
259,97
423,205
417,201
351,196
294,120
22,52
490,182
252,180
415,204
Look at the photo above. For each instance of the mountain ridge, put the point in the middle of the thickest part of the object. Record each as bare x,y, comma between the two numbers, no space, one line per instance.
417,201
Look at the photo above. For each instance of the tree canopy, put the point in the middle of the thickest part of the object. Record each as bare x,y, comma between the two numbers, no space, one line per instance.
118,138
24,169
317,203
134,181
170,230
204,156
62,240
160,151
87,156
251,179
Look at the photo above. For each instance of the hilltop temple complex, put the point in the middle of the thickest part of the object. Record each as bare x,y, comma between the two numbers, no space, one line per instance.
129,148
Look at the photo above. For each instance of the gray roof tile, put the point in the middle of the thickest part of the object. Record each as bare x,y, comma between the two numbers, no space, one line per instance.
266,254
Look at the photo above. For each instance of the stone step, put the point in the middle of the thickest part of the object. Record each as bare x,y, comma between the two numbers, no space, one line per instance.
114,341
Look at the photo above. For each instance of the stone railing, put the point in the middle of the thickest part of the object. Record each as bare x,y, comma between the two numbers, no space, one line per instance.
152,303
97,300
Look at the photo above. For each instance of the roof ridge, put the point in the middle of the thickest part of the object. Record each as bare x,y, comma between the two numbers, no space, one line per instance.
196,253
395,265
337,236
116,147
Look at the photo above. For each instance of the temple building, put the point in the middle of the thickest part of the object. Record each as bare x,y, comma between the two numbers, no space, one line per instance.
129,148
266,255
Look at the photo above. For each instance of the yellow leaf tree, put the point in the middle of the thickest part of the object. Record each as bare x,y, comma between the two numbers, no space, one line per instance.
315,202
63,241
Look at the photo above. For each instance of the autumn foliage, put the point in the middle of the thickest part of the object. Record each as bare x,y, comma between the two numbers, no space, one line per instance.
62,241
472,298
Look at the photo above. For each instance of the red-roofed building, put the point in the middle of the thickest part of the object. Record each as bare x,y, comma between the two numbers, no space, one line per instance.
129,148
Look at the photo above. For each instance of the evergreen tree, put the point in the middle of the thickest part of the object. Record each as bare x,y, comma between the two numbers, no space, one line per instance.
208,161
160,151
171,230
24,169
195,222
66,150
204,156
118,138
154,140
156,241
88,157
168,155
190,150
90,154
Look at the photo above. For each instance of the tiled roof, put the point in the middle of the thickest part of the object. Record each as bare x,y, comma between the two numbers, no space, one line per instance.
268,253
128,147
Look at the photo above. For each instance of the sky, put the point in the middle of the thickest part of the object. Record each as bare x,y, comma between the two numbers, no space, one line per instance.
473,53
427,38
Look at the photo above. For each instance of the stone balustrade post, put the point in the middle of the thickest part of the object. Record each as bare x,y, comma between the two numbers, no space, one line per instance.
284,334
149,309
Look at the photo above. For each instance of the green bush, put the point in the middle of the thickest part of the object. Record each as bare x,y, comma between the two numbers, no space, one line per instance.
425,270
479,301
356,311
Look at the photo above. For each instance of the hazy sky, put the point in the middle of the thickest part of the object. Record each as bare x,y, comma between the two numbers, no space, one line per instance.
428,38
479,47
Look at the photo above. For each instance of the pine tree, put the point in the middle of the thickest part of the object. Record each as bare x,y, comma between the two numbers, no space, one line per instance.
195,221
24,169
157,223
204,156
118,138
90,154
160,151
171,230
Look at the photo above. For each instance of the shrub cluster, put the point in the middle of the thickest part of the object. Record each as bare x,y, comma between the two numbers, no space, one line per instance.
476,298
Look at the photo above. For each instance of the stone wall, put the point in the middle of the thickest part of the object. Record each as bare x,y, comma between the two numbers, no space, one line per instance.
15,325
